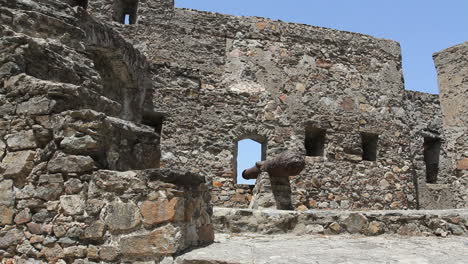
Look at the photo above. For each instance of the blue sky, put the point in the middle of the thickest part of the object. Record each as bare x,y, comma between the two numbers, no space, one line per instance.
421,26
248,152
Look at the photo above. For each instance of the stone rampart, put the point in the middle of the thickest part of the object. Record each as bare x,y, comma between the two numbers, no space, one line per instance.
452,68
333,222
79,177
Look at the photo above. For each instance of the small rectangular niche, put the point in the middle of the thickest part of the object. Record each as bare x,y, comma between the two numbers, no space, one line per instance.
82,3
369,146
315,141
125,11
154,120
431,158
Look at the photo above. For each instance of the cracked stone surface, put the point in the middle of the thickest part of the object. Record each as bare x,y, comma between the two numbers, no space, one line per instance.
263,249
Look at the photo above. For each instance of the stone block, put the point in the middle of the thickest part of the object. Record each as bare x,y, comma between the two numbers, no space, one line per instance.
35,228
335,227
79,145
410,229
51,178
75,252
49,192
36,239
72,204
53,253
10,238
22,140
119,216
6,193
456,229
217,184
314,229
35,106
117,181
93,252
73,186
17,165
156,212
59,231
462,164
355,223
23,217
2,148
95,231
108,253
6,215
375,228
70,164
94,206
161,242
43,216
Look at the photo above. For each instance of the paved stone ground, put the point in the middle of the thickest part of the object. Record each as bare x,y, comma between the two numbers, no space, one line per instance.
263,249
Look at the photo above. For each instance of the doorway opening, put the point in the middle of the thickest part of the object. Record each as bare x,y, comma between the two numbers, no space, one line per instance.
248,153
431,158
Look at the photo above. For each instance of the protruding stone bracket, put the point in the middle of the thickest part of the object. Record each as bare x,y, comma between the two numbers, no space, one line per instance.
172,176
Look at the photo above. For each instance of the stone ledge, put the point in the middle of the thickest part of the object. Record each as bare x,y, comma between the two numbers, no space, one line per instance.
402,222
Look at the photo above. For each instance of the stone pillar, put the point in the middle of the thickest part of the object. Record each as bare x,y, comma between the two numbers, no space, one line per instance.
452,69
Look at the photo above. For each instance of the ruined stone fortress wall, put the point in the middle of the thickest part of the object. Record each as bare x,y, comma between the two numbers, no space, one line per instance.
452,68
218,79
79,172
107,130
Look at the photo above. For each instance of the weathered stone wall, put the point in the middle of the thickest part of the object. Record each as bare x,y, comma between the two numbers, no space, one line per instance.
334,222
225,78
452,68
433,181
78,169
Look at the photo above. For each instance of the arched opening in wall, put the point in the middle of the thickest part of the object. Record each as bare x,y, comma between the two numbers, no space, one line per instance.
314,141
431,158
116,80
125,11
248,152
369,146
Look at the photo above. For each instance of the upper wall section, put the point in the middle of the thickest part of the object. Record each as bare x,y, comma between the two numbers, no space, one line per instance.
250,54
452,69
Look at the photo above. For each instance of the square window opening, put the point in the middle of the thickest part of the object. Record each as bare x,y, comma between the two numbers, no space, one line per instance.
315,141
125,11
126,19
247,152
369,146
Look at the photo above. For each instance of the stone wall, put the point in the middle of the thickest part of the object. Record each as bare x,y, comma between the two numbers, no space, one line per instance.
225,78
333,222
428,141
79,177
452,68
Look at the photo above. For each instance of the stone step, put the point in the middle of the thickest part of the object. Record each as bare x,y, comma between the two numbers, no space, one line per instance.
329,222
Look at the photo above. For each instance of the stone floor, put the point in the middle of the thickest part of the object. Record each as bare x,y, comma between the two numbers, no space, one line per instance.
310,249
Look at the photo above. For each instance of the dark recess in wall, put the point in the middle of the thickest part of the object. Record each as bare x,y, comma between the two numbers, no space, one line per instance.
431,158
369,146
315,141
126,7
